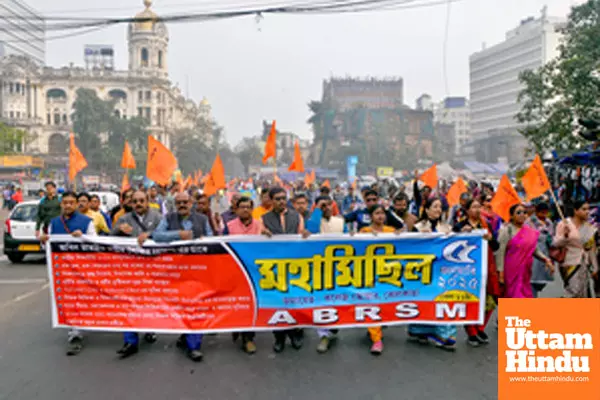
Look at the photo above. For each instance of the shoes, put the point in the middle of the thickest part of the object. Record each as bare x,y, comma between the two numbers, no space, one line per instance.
75,346
250,347
377,348
150,338
323,345
473,341
297,342
181,342
446,346
483,337
279,346
421,339
127,350
195,355
235,336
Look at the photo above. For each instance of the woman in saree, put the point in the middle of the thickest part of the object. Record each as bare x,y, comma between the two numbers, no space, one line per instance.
580,263
443,336
493,220
474,221
541,222
514,258
378,218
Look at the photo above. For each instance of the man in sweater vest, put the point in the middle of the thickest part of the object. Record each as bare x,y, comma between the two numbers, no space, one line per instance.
323,221
139,224
283,221
244,224
70,222
184,224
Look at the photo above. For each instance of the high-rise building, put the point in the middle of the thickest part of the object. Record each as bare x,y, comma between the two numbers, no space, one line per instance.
23,31
495,85
455,111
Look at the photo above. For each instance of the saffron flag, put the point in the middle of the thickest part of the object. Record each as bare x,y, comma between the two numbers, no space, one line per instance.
271,145
506,196
127,160
161,162
216,178
277,180
297,165
430,177
535,181
455,191
326,184
125,183
77,161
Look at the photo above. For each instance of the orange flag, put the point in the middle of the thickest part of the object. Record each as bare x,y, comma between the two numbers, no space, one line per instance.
77,161
125,183
188,182
326,184
127,160
354,182
535,181
505,198
161,162
277,180
216,178
430,177
297,165
455,191
270,146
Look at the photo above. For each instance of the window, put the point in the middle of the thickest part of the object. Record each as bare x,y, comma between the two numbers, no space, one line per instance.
160,59
65,121
18,114
140,112
148,95
56,119
148,114
140,96
48,119
12,114
18,87
117,113
10,87
144,57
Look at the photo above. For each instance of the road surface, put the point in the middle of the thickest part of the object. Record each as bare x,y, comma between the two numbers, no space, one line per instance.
33,364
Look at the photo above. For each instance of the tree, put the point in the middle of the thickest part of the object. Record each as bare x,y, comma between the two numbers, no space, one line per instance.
249,152
12,140
566,88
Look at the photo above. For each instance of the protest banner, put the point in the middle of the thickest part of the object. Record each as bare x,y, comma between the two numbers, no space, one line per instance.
257,283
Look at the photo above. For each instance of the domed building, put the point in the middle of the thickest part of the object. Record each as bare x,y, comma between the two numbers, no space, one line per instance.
40,99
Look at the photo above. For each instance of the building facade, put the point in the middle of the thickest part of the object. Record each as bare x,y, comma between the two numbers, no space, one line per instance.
23,31
349,93
40,99
424,103
495,86
455,111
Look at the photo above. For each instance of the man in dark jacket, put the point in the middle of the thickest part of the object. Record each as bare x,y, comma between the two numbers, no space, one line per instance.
139,224
48,209
282,220
184,224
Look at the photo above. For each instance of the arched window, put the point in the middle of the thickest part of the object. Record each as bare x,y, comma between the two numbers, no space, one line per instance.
57,144
65,121
118,94
117,113
56,119
145,57
56,94
160,59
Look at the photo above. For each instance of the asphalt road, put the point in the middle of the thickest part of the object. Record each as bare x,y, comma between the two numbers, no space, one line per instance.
33,364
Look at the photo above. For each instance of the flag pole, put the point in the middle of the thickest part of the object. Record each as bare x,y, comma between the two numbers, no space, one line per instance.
562,216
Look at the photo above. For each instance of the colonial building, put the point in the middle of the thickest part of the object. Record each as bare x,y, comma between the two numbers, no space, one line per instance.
40,99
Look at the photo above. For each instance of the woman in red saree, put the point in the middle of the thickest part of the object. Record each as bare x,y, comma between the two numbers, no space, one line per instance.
514,258
472,221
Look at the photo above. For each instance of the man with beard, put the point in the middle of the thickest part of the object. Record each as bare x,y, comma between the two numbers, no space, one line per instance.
398,216
231,213
284,221
184,224
139,224
73,223
124,207
301,205
83,200
203,207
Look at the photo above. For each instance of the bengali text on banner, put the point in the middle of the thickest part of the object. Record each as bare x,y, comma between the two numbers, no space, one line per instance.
257,283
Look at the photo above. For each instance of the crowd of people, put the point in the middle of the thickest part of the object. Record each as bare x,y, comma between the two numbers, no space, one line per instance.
525,251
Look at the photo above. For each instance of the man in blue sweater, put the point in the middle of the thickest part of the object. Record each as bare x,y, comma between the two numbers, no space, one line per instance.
71,222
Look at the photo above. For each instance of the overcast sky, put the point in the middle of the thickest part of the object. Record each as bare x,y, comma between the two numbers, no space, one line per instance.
252,71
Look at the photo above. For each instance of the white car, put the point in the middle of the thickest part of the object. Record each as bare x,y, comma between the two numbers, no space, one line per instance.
108,200
19,232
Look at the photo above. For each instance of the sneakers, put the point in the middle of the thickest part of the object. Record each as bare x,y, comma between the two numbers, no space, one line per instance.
150,338
74,346
279,346
421,339
446,346
250,347
377,348
195,355
483,337
473,341
323,345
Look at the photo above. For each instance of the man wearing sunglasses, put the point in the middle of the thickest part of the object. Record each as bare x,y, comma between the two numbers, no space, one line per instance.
282,220
361,216
183,224
138,223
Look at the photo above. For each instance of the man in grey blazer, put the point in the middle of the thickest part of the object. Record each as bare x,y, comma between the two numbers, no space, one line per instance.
139,223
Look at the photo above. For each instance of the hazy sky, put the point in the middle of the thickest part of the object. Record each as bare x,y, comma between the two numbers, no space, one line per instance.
252,71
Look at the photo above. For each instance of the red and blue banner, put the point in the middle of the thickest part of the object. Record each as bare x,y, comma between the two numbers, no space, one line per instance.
258,283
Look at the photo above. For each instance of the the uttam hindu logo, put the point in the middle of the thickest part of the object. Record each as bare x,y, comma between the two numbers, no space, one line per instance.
548,348
523,343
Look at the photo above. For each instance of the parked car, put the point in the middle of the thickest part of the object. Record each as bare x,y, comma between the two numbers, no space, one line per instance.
19,232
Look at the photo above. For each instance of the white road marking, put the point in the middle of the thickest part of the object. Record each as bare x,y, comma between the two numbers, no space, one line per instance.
24,296
22,281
